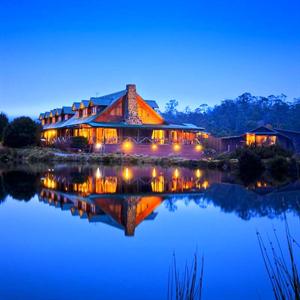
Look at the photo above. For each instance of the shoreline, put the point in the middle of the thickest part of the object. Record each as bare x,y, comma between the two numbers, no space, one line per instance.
50,155
34,155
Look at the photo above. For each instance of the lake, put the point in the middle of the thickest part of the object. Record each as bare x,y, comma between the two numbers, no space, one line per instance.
103,232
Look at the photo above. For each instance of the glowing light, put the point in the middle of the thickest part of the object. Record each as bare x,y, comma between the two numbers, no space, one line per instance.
176,147
98,173
154,147
176,173
127,174
205,184
198,173
98,146
127,145
154,173
198,147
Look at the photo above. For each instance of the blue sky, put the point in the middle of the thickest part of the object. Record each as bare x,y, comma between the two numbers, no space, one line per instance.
53,53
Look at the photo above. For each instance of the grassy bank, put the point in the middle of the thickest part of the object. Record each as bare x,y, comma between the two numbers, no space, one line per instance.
49,155
32,155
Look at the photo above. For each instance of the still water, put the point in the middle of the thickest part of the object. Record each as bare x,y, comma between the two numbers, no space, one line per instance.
95,232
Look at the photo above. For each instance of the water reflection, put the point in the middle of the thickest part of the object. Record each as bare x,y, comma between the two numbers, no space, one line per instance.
124,197
121,197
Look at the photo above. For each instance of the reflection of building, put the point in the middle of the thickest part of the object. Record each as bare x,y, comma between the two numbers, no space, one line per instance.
122,197
130,180
121,212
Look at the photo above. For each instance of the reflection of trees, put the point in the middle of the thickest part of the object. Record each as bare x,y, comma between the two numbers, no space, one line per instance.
3,193
170,204
20,184
78,177
247,203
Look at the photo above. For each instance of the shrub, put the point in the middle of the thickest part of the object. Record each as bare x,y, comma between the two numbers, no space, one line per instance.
250,165
3,124
21,132
271,151
62,144
279,167
79,142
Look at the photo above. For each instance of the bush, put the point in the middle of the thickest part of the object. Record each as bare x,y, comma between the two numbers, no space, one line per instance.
250,165
3,124
21,132
79,142
279,167
265,152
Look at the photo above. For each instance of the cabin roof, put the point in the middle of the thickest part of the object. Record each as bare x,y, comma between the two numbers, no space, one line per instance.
152,126
67,110
75,105
58,111
84,103
152,103
263,130
107,99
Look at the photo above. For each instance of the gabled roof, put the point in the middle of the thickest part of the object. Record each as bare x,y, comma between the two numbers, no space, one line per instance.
78,121
47,114
84,103
152,103
149,126
67,110
263,130
75,105
107,99
41,116
58,111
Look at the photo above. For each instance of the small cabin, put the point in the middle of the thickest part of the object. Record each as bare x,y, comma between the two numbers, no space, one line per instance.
263,136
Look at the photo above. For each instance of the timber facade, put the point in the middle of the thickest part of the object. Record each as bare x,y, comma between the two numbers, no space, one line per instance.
122,121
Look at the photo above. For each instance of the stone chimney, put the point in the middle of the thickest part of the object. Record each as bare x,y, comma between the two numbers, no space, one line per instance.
131,106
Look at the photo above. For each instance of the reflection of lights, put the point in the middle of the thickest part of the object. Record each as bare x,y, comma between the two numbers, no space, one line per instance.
198,148
154,147
154,173
127,145
205,184
158,184
260,184
176,173
176,147
127,174
98,174
98,146
198,173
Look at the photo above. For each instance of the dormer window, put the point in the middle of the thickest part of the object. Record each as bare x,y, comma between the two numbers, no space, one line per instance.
66,117
53,119
59,119
43,122
94,110
85,112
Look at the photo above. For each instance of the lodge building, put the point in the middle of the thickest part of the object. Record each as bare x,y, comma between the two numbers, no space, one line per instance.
120,118
125,122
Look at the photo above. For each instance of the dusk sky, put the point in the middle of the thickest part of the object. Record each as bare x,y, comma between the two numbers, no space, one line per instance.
53,53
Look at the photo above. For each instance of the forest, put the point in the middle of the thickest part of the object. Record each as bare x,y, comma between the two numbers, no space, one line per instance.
235,116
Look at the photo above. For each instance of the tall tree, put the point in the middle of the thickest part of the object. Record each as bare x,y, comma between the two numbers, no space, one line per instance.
3,123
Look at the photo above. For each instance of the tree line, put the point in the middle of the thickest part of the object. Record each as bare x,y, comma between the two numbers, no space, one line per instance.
21,132
235,116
